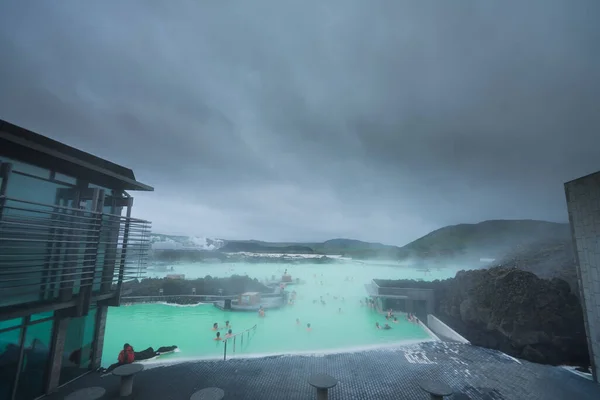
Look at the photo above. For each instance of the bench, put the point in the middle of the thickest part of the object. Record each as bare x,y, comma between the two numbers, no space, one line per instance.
323,383
91,393
436,389
211,393
127,372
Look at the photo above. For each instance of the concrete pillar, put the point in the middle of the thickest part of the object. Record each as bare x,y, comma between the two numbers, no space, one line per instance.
409,306
57,346
101,314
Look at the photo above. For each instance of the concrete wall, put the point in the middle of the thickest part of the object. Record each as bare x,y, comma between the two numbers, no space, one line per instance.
443,330
583,203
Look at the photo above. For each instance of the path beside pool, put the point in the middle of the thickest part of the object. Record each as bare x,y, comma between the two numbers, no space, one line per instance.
377,374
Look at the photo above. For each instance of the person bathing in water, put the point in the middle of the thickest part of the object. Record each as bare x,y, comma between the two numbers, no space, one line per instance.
218,337
297,321
377,325
229,334
308,328
215,327
227,326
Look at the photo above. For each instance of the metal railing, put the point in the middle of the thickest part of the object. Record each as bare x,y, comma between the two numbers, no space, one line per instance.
234,337
49,249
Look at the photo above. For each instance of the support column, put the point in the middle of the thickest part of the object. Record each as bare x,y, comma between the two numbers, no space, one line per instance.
5,170
98,346
410,306
57,347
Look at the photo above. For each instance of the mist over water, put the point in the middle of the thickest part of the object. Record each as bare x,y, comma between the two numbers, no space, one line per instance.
189,327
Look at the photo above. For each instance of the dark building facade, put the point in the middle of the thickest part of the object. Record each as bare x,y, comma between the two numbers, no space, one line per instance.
583,203
67,243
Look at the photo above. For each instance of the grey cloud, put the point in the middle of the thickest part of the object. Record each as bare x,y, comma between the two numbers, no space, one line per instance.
376,120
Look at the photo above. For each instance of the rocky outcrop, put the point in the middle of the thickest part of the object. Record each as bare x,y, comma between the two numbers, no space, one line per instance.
233,285
513,311
547,259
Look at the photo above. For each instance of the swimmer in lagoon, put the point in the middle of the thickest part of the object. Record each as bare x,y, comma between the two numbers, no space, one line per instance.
340,310
227,326
386,326
377,325
218,337
229,334
297,321
215,326
395,320
308,328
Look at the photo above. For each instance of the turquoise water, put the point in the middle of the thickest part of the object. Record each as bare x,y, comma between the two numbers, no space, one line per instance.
190,327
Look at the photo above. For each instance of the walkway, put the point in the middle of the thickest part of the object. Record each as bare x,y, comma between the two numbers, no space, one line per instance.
383,374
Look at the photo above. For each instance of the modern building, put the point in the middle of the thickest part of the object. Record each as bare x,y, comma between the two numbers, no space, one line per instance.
387,294
583,203
67,243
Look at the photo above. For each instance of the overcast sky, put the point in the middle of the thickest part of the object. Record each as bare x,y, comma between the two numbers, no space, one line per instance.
309,120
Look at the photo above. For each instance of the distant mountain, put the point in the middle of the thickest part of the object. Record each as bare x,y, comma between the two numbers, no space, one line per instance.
488,239
494,239
255,247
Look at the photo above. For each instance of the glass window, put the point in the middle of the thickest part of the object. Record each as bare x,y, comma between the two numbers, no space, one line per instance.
65,178
33,228
11,323
78,347
42,315
35,360
107,191
32,189
28,168
9,358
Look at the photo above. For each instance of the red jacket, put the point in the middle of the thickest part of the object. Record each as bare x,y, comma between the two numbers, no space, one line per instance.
126,356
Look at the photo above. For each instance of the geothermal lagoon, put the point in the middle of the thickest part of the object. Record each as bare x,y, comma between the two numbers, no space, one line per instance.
190,327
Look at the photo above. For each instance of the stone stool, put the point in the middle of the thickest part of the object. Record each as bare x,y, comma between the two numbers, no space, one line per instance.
127,372
211,393
91,393
436,389
323,383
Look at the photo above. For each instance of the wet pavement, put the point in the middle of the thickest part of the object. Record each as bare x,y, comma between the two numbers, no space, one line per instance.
377,374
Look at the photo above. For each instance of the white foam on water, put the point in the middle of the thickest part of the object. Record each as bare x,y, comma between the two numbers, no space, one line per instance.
164,303
405,345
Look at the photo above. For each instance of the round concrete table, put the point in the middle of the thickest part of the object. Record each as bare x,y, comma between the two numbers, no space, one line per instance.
211,393
436,389
91,393
323,383
127,372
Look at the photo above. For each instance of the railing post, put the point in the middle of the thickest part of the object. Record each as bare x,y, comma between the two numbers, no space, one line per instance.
225,351
234,344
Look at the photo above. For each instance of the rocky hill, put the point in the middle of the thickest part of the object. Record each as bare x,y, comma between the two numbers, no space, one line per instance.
513,311
488,239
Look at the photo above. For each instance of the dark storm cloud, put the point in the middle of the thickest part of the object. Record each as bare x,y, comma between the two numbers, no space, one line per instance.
377,120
